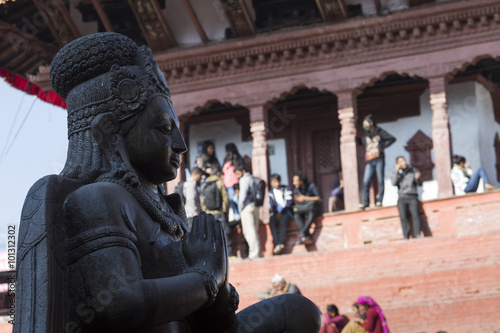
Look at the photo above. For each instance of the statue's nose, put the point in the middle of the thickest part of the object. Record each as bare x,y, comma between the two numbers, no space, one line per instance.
179,146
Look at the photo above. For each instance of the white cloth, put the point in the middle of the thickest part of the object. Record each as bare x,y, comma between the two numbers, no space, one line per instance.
280,198
459,179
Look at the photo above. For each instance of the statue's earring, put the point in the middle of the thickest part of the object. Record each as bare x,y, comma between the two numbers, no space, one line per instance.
105,130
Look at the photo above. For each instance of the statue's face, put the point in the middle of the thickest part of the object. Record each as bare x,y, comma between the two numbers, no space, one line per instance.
155,143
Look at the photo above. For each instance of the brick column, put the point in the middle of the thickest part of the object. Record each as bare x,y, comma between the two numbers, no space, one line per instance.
441,135
260,157
348,148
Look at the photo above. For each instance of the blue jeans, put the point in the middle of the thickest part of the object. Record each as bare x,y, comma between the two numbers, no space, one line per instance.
233,204
378,166
473,182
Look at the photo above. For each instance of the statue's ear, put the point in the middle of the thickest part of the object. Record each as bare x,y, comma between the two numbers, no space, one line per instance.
106,132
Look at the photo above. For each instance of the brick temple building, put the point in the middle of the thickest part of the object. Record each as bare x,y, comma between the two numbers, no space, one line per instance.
289,82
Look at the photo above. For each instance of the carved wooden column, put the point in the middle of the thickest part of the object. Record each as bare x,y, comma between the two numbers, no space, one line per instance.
348,148
441,135
260,157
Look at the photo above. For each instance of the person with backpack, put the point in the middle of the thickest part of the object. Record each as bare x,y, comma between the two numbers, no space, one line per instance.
190,195
215,201
249,212
307,205
280,205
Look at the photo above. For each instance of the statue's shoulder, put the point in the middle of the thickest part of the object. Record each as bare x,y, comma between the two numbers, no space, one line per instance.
100,204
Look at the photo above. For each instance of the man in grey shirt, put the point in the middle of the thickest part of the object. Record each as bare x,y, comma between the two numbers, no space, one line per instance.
190,191
249,212
407,179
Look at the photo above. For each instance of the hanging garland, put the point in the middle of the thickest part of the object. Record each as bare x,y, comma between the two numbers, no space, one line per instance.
30,88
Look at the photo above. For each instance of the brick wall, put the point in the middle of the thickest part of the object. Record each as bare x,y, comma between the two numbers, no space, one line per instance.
450,281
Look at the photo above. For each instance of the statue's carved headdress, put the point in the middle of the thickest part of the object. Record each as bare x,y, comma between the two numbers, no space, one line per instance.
105,72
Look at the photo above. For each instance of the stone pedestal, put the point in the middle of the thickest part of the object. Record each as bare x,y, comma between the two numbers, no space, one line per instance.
441,135
348,148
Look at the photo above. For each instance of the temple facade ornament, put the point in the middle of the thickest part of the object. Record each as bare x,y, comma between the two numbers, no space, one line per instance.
339,47
419,147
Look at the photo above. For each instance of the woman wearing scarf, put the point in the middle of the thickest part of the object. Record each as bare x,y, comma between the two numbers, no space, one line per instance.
375,321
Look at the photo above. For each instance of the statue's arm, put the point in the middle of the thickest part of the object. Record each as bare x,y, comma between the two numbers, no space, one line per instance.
108,291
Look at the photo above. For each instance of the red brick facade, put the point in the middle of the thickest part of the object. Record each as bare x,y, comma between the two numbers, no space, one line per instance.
446,282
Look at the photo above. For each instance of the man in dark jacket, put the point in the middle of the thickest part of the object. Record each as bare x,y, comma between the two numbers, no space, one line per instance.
407,179
280,205
307,200
376,140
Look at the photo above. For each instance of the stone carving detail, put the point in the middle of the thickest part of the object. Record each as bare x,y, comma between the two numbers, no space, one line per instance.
419,147
337,48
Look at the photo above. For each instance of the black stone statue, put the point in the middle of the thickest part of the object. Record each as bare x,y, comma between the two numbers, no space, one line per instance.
102,248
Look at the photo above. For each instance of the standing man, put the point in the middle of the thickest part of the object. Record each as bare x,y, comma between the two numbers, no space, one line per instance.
376,140
407,179
307,205
249,212
190,191
215,201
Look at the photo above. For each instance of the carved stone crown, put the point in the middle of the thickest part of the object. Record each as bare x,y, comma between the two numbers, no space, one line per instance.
105,72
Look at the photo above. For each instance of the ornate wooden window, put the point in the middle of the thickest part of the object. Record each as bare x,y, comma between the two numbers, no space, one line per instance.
419,147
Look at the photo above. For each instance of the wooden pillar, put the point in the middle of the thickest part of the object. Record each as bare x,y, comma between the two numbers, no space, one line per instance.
441,135
260,156
348,148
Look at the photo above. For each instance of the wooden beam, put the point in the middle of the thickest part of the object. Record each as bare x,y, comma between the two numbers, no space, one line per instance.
102,15
248,17
378,4
196,21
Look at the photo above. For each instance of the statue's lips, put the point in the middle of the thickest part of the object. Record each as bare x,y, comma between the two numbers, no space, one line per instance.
175,161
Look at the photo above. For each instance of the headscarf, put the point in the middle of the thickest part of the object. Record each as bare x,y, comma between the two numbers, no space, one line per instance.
367,300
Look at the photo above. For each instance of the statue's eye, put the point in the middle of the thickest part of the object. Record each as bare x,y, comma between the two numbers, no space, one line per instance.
167,129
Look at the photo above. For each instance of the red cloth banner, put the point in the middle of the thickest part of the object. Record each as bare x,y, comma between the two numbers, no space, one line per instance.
30,88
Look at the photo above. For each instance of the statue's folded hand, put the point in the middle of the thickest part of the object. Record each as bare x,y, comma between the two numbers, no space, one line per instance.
204,248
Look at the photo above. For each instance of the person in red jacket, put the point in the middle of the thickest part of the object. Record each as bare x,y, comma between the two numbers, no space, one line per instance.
375,321
333,322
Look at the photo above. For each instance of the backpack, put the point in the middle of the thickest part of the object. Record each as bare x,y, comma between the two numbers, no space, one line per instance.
179,189
212,197
258,191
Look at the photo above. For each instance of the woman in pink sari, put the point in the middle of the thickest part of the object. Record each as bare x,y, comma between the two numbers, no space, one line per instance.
374,321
